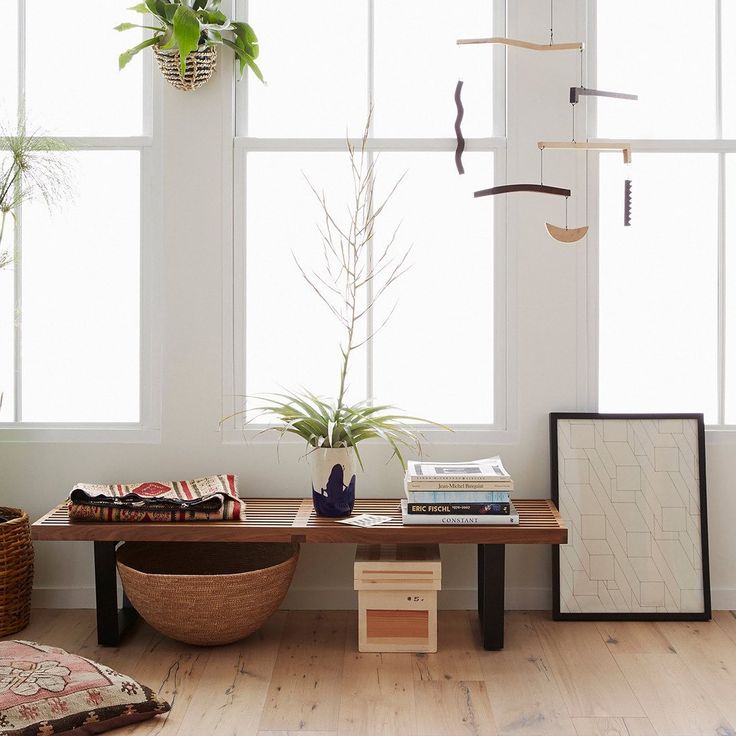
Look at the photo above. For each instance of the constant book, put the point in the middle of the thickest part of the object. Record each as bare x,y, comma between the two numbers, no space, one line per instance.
487,469
458,508
457,496
459,519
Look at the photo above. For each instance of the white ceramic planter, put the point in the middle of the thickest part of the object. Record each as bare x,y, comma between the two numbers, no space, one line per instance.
333,480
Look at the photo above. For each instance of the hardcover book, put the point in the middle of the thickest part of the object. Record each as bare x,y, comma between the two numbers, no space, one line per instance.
487,469
458,508
459,519
457,496
455,485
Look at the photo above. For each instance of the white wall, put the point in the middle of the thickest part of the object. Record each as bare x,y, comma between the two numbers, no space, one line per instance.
548,312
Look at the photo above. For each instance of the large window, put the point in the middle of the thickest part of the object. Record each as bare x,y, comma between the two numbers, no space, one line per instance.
438,356
667,283
71,342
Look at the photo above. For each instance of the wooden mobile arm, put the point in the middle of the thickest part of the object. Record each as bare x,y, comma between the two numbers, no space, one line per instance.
575,46
573,145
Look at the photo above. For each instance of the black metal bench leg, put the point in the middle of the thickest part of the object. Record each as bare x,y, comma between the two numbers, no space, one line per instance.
491,580
111,621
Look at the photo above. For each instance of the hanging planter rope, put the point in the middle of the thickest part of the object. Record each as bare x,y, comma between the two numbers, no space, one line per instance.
201,66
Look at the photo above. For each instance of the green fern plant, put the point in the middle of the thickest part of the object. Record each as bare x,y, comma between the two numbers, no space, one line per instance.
189,25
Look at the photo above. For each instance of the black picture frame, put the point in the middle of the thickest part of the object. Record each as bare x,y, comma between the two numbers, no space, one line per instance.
705,614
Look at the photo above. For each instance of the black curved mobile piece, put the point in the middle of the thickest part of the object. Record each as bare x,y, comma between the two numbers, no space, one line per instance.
458,131
508,188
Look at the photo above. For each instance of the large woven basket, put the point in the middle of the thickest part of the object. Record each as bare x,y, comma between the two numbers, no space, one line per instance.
206,593
16,571
201,66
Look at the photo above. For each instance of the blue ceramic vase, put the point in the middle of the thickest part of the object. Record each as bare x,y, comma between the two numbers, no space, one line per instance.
333,480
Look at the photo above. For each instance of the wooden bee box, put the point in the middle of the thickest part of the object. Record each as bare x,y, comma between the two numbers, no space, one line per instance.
397,597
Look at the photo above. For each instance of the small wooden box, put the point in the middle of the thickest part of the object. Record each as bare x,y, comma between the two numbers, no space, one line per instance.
397,597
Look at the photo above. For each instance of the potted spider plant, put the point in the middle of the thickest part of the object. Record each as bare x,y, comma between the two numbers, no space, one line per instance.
349,283
185,39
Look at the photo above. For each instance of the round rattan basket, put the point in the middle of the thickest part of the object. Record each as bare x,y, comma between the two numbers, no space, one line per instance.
206,593
16,571
201,66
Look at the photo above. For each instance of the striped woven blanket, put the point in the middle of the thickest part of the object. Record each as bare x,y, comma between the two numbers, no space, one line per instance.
213,498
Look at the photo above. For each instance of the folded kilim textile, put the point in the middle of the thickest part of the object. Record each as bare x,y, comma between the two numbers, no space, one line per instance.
213,498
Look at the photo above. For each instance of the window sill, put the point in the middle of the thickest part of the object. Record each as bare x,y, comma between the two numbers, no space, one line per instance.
79,433
720,435
469,435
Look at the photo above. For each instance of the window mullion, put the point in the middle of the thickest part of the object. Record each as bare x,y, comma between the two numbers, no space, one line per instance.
721,353
371,158
241,117
719,69
18,229
721,220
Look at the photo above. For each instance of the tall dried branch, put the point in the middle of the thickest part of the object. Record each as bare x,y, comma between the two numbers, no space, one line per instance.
353,279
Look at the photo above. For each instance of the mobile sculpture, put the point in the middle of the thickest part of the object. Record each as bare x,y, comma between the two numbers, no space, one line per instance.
564,234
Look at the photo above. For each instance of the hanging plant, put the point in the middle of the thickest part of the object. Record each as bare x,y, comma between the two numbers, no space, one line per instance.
186,38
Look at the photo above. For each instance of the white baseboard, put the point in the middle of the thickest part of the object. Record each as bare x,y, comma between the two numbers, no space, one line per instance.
723,599
310,599
340,599
63,597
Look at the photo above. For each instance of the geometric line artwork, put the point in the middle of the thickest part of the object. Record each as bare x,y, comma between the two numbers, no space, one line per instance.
631,490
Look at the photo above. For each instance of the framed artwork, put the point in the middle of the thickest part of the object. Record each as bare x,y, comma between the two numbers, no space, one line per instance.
631,489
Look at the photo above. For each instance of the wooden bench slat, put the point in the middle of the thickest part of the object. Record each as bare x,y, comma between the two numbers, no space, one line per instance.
294,519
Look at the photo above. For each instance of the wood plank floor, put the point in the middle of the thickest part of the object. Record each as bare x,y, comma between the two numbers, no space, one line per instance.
302,674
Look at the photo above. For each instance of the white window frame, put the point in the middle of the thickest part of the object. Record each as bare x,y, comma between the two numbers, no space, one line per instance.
503,430
589,333
147,429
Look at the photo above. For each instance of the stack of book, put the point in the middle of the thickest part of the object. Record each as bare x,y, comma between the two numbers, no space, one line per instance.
476,492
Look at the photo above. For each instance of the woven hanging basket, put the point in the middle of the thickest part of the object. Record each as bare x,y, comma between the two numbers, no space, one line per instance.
206,593
201,66
16,571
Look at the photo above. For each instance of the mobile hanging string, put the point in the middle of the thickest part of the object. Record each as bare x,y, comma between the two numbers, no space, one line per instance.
551,23
581,68
541,166
581,85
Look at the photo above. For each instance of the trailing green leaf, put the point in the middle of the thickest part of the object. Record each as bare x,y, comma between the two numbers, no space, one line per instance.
126,56
186,34
128,26
246,38
214,17
156,7
244,59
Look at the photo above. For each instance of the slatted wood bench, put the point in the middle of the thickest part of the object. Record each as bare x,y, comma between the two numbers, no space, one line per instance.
294,520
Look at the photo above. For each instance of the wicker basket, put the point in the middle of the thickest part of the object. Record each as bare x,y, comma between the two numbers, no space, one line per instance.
16,571
201,66
206,593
